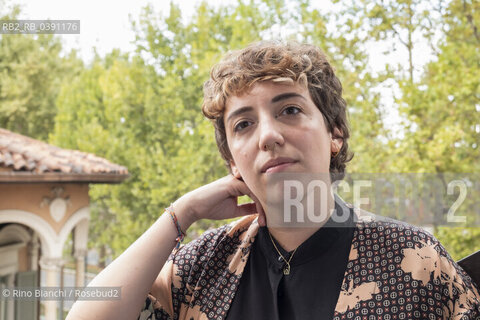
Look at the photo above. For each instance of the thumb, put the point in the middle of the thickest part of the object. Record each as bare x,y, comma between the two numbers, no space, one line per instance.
261,213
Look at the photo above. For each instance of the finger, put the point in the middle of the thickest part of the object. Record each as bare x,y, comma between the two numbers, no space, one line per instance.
239,188
260,211
244,190
262,221
262,218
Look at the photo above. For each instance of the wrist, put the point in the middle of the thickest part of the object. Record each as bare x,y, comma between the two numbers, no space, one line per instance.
184,213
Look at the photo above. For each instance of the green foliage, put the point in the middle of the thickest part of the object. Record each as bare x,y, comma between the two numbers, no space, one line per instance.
444,110
32,70
459,242
120,109
441,110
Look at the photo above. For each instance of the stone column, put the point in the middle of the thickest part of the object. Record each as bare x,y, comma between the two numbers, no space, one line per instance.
52,267
80,239
33,252
10,303
80,255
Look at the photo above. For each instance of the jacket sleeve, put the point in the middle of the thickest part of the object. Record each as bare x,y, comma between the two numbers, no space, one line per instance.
161,306
187,283
178,279
460,296
463,298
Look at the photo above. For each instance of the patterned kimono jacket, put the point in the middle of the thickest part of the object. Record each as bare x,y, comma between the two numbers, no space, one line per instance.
394,271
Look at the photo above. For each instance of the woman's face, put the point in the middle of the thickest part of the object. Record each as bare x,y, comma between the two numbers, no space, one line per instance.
276,128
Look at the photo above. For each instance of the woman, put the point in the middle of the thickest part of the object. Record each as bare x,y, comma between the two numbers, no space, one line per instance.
277,109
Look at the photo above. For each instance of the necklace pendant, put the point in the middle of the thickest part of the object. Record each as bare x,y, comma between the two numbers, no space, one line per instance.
286,270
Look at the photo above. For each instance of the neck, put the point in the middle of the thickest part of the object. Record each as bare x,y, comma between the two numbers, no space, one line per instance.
292,237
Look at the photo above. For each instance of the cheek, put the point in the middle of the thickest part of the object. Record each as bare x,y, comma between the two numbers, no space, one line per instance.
239,151
242,159
317,142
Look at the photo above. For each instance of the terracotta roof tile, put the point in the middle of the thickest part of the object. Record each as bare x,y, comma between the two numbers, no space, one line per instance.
29,155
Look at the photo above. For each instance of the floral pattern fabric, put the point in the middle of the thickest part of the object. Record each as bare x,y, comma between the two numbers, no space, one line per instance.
394,271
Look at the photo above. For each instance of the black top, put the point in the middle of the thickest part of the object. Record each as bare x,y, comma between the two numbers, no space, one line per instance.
311,289
471,265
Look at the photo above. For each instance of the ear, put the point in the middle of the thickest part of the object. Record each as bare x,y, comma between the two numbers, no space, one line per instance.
234,170
336,141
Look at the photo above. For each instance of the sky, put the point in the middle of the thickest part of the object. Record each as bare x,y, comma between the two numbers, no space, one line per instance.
104,24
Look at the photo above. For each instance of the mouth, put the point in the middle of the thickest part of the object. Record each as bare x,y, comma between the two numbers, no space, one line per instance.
277,165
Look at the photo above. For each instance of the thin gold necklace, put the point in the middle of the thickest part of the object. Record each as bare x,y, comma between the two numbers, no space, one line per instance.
286,268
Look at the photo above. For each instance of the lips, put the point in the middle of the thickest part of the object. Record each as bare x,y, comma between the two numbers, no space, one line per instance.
278,164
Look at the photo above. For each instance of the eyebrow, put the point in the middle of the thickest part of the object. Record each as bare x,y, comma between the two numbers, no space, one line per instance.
275,99
287,95
239,111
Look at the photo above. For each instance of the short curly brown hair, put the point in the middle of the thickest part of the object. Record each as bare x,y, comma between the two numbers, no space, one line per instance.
283,62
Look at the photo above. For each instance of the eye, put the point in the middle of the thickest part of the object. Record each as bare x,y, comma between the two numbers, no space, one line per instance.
241,125
289,110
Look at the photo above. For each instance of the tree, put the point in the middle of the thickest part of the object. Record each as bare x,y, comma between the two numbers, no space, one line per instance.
438,102
443,113
32,69
351,62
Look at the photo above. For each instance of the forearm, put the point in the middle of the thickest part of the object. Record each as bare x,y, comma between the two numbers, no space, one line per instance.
134,271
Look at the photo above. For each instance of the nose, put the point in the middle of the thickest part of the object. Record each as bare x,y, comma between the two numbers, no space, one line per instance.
270,134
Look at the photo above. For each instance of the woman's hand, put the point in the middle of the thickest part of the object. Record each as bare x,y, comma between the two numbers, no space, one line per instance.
217,200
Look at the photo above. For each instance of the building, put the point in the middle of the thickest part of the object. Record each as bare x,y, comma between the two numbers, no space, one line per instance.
43,199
